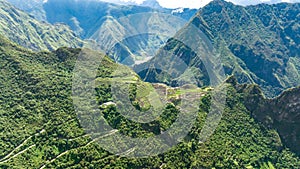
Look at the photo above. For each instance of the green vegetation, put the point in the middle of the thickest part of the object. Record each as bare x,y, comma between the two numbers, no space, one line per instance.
258,44
40,129
23,29
280,113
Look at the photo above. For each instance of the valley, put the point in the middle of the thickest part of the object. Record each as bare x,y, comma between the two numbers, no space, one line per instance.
92,84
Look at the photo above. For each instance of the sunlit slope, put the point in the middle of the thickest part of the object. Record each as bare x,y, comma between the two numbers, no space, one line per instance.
23,29
41,130
258,44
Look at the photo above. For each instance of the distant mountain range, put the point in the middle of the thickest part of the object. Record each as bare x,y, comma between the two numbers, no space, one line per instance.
256,44
87,9
38,120
89,18
259,44
23,29
147,3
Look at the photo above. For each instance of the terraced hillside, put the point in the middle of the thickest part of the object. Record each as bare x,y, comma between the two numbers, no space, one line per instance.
41,130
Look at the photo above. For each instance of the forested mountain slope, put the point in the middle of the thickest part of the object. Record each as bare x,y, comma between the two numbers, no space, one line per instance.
40,128
23,29
280,113
258,43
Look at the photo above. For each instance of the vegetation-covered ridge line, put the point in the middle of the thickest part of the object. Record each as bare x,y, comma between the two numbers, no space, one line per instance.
36,94
258,44
280,113
25,30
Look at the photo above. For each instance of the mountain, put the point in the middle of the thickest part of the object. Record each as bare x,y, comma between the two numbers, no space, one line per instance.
46,121
259,44
40,128
94,20
147,3
26,5
280,113
152,4
33,7
255,2
23,29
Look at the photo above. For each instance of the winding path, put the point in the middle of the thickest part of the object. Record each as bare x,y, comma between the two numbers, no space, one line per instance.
10,155
60,155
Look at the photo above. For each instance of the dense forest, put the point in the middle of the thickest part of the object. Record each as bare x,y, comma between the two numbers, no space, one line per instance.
40,128
46,120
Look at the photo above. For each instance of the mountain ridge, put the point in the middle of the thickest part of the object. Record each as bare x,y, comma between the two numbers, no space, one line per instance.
280,113
250,47
42,129
28,32
39,123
